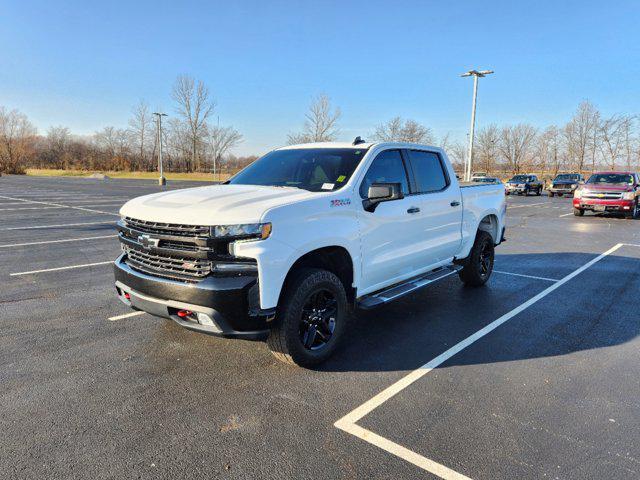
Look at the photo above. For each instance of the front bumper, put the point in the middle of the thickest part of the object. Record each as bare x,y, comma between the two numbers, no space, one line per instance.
563,190
620,206
224,306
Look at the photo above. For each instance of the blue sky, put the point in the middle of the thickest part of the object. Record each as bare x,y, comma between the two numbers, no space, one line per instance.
85,64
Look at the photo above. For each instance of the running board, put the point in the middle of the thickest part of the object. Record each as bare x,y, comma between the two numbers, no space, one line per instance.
399,290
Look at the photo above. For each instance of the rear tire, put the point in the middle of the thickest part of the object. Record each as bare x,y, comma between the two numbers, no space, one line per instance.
478,266
311,319
578,212
539,191
551,194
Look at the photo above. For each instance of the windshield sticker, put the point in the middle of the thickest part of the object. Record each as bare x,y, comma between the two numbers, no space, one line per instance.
328,186
341,178
340,202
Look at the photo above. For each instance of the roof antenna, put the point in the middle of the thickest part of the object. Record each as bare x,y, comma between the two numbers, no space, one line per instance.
358,141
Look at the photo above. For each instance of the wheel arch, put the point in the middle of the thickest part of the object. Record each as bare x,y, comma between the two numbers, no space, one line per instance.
335,259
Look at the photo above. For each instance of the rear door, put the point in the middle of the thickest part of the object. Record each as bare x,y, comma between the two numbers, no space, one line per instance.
440,217
390,235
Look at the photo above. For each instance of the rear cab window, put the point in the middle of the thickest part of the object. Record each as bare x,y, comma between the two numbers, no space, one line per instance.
429,172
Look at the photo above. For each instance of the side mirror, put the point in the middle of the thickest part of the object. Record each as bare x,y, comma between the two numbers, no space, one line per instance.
381,192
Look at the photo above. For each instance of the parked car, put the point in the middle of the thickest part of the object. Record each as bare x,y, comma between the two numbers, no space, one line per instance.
486,180
290,245
609,192
524,184
565,183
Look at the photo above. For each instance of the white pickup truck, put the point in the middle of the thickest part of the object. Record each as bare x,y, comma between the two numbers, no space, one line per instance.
291,245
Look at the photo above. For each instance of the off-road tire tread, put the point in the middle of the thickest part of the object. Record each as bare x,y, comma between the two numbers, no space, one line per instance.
297,284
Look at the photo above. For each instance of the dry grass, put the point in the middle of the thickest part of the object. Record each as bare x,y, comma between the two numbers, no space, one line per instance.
204,177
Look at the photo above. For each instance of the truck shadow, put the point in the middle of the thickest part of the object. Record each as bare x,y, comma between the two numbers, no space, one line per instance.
596,309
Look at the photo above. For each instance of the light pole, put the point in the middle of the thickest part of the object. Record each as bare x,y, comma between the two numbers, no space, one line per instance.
475,74
161,180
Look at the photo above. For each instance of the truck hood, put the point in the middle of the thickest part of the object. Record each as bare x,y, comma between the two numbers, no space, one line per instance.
565,182
212,205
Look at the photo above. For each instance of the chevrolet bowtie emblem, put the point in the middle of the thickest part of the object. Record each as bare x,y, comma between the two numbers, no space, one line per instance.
600,195
148,242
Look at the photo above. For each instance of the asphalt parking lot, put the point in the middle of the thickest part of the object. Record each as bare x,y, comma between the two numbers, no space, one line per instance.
533,376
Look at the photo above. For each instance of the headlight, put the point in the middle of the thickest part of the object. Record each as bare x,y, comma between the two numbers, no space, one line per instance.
574,185
522,185
258,231
577,193
629,195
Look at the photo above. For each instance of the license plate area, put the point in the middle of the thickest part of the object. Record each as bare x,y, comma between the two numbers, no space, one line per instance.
599,208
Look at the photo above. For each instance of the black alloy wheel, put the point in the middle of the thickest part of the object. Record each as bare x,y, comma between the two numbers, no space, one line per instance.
318,319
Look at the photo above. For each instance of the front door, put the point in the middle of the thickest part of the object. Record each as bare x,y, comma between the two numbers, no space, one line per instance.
390,235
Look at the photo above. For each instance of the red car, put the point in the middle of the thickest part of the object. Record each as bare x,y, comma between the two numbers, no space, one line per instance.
617,192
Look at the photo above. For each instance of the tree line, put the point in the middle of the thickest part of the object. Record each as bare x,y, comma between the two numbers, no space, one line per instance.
587,142
191,142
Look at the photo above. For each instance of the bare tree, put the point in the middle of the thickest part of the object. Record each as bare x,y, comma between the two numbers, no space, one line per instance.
221,140
399,130
458,155
549,150
445,141
141,127
321,124
58,139
578,134
16,138
613,133
195,106
515,145
486,148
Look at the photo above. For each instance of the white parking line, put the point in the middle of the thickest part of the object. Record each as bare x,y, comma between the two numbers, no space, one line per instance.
566,214
522,206
348,422
126,315
56,241
27,208
60,205
527,276
60,268
61,225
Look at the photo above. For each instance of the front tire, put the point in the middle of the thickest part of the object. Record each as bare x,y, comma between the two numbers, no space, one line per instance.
311,319
635,213
578,212
478,265
551,194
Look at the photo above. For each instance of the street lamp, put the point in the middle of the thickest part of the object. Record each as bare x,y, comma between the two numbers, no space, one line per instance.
161,180
475,74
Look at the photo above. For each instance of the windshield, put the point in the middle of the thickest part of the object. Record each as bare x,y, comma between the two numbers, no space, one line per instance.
611,178
485,180
519,178
313,169
567,176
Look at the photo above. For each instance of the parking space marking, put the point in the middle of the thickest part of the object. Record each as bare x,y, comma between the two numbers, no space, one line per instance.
56,241
60,205
348,423
566,214
126,315
528,205
61,225
527,276
56,269
27,208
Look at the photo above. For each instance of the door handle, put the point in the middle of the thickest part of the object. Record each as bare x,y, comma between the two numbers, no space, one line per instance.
413,210
455,203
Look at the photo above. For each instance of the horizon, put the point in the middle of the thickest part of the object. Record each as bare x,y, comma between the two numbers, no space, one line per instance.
264,63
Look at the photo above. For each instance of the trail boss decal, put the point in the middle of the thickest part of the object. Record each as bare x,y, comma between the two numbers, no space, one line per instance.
340,202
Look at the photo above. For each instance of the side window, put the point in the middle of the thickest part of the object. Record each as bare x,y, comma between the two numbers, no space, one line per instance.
428,171
387,167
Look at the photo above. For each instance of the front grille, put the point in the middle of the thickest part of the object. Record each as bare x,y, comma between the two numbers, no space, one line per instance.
167,228
182,268
562,187
602,195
